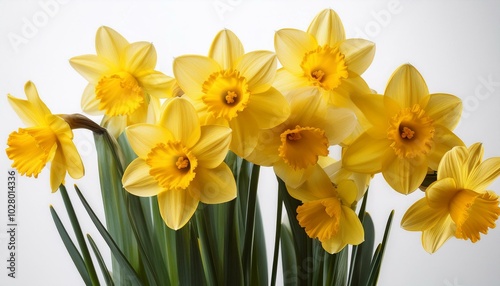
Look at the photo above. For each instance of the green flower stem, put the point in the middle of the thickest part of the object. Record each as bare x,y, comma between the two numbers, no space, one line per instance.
277,236
79,236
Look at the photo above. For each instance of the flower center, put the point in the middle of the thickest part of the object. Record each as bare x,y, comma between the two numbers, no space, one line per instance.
119,94
172,165
225,94
320,218
325,67
473,213
30,149
301,146
411,132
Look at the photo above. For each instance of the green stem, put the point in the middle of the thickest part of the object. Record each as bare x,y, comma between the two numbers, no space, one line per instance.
250,223
277,238
79,236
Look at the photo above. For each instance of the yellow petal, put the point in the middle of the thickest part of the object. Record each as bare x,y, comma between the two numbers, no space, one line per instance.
267,109
351,227
91,67
71,158
341,123
285,81
180,118
406,86
57,171
444,140
259,70
158,84
34,98
89,102
333,245
451,165
405,175
244,136
351,86
317,186
327,28
213,145
364,154
177,206
137,180
484,175
214,186
140,56
110,44
440,193
226,49
192,71
266,151
420,216
445,109
358,54
143,137
291,45
293,178
347,191
434,237
373,108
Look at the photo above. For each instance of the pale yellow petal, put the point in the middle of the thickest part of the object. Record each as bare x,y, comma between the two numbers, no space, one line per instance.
340,124
110,44
406,86
192,71
259,70
327,28
451,165
333,245
137,180
291,45
484,175
177,206
266,110
285,81
444,109
180,118
373,108
215,185
365,154
57,171
293,178
89,102
444,140
351,228
317,186
26,111
226,49
143,137
139,57
70,156
420,216
266,152
404,175
158,84
213,145
440,193
34,98
351,86
245,134
435,237
347,191
91,67
359,54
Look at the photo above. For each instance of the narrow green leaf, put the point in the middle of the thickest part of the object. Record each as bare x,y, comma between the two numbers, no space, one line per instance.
72,250
129,272
79,235
377,260
354,273
277,238
259,253
288,257
100,260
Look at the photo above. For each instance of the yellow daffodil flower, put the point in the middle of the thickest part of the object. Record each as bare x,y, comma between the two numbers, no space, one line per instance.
47,139
322,57
294,147
457,204
326,211
181,162
123,84
232,88
410,131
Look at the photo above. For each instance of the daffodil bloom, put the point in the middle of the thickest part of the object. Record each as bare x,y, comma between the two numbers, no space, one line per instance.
409,133
181,162
458,203
326,211
232,88
294,147
123,83
322,57
47,139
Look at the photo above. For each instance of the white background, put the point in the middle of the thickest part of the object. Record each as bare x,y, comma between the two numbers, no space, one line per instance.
454,44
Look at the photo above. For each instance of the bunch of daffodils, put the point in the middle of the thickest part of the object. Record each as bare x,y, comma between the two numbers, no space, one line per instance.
179,159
